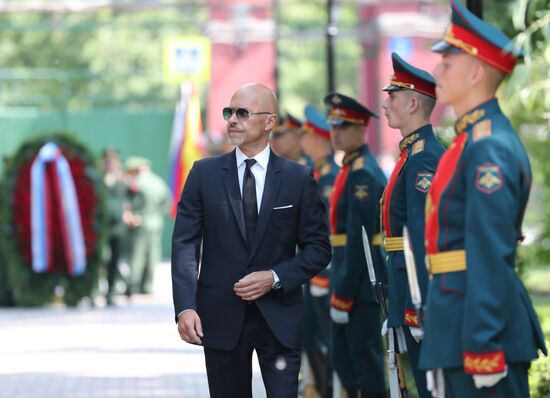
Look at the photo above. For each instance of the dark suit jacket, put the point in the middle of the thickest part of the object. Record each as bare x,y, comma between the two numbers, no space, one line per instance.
210,212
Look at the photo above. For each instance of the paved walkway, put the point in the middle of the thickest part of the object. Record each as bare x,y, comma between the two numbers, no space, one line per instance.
131,350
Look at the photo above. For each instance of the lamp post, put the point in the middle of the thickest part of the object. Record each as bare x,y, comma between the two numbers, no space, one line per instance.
475,6
331,32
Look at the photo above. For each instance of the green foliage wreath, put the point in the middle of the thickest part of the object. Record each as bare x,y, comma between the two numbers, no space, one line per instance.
27,287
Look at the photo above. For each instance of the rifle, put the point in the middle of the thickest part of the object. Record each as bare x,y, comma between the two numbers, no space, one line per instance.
435,382
395,338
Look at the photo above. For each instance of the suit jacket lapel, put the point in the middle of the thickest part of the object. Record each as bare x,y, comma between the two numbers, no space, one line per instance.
231,183
271,188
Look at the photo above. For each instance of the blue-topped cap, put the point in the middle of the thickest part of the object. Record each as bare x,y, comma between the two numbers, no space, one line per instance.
316,122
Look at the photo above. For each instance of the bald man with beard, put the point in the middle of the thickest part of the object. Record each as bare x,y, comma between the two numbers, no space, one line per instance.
249,209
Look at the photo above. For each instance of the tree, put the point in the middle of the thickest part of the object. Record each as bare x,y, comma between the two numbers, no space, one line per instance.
102,58
526,100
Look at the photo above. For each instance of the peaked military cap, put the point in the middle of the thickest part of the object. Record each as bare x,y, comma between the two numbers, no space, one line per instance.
136,162
291,122
316,122
343,109
407,77
467,33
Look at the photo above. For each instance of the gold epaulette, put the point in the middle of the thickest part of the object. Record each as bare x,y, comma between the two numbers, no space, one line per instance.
481,130
358,163
418,147
451,261
325,169
393,244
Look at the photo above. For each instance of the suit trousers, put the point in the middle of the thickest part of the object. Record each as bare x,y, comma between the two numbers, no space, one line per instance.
230,372
459,384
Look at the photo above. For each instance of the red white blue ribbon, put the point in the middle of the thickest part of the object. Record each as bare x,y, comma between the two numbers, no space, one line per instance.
70,220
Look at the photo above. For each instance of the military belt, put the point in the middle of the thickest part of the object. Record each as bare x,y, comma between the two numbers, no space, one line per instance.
393,244
339,240
451,261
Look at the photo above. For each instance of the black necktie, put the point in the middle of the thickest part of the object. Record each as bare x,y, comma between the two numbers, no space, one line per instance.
249,201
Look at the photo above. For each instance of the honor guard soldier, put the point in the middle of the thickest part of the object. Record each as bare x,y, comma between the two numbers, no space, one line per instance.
356,341
410,101
480,326
285,140
316,145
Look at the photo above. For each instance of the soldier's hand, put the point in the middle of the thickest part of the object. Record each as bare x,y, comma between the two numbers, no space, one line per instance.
254,285
416,333
489,380
435,383
384,330
337,316
318,291
190,327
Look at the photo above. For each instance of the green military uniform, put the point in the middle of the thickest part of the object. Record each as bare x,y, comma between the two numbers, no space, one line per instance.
480,326
357,345
146,246
403,205
316,304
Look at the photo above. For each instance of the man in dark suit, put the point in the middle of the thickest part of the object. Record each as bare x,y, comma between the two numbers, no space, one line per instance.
249,209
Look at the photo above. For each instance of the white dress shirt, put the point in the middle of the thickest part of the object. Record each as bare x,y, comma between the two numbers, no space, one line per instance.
259,170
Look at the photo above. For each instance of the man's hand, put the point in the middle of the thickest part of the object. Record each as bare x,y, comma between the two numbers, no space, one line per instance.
337,316
489,380
190,327
254,285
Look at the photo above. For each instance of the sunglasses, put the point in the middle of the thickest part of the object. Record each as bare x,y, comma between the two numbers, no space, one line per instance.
242,113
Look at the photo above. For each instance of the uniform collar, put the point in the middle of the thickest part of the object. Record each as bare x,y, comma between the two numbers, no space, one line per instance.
477,114
415,136
350,157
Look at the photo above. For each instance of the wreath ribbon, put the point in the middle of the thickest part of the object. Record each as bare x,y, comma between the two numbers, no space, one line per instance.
70,220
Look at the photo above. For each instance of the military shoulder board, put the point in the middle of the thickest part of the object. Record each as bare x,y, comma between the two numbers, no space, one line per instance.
418,146
481,130
358,163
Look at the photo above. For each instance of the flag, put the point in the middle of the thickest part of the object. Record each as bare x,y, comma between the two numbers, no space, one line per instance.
186,142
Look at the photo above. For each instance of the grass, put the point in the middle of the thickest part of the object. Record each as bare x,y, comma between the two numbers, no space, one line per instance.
537,281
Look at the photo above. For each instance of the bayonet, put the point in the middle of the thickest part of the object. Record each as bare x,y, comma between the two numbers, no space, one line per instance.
396,375
412,277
